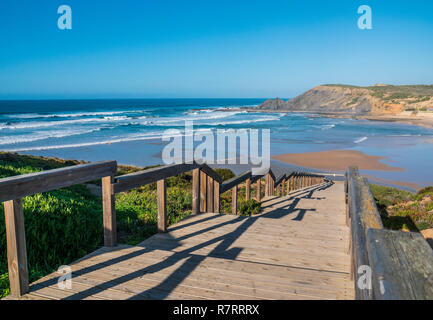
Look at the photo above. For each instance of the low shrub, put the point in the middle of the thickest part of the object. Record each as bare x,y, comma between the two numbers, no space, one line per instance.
249,207
402,210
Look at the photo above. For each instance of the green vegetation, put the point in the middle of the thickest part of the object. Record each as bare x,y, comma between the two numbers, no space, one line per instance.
354,101
225,174
249,207
419,93
61,225
402,210
64,225
245,207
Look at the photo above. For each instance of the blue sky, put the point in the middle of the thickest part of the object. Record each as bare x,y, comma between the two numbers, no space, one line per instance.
209,48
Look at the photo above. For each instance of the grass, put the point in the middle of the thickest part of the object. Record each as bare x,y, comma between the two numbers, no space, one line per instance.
66,224
418,93
402,210
54,223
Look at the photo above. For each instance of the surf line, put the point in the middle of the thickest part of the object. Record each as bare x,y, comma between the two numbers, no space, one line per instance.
213,147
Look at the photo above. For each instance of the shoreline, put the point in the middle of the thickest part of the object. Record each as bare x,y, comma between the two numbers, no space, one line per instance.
339,160
336,160
425,120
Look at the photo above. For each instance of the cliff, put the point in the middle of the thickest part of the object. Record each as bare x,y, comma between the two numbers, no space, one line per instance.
344,99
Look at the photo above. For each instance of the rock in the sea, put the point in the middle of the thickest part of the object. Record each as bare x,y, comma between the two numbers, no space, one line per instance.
273,104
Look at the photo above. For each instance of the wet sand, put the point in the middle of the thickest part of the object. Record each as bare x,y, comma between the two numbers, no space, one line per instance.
421,119
336,160
407,185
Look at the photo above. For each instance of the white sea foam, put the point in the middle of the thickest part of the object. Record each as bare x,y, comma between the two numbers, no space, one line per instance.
262,119
39,124
148,136
15,139
360,140
324,127
69,115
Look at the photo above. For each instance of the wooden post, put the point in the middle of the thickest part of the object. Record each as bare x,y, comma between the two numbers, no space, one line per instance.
279,190
16,248
248,189
210,195
258,190
196,191
203,191
271,186
288,182
283,188
235,200
216,201
109,212
162,205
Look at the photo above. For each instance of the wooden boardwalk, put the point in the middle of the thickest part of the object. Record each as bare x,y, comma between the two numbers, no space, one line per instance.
298,248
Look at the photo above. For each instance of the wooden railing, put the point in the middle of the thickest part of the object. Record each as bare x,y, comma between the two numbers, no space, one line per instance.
13,189
386,265
207,187
282,185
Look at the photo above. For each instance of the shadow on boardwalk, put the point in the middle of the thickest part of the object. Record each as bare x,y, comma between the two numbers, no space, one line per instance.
207,236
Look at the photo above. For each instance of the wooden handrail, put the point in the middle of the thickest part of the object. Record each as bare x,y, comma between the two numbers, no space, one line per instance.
13,189
400,263
235,181
16,187
141,178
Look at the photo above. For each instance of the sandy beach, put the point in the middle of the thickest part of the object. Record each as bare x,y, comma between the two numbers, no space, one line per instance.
424,119
336,160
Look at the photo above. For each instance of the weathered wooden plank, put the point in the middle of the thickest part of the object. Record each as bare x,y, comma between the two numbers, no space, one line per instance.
141,178
16,247
401,264
109,212
210,172
207,280
203,191
210,194
235,181
235,200
196,191
271,185
280,179
241,269
162,205
248,189
267,185
259,190
216,197
364,216
17,187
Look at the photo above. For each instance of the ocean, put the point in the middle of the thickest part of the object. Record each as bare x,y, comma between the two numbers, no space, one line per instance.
130,131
